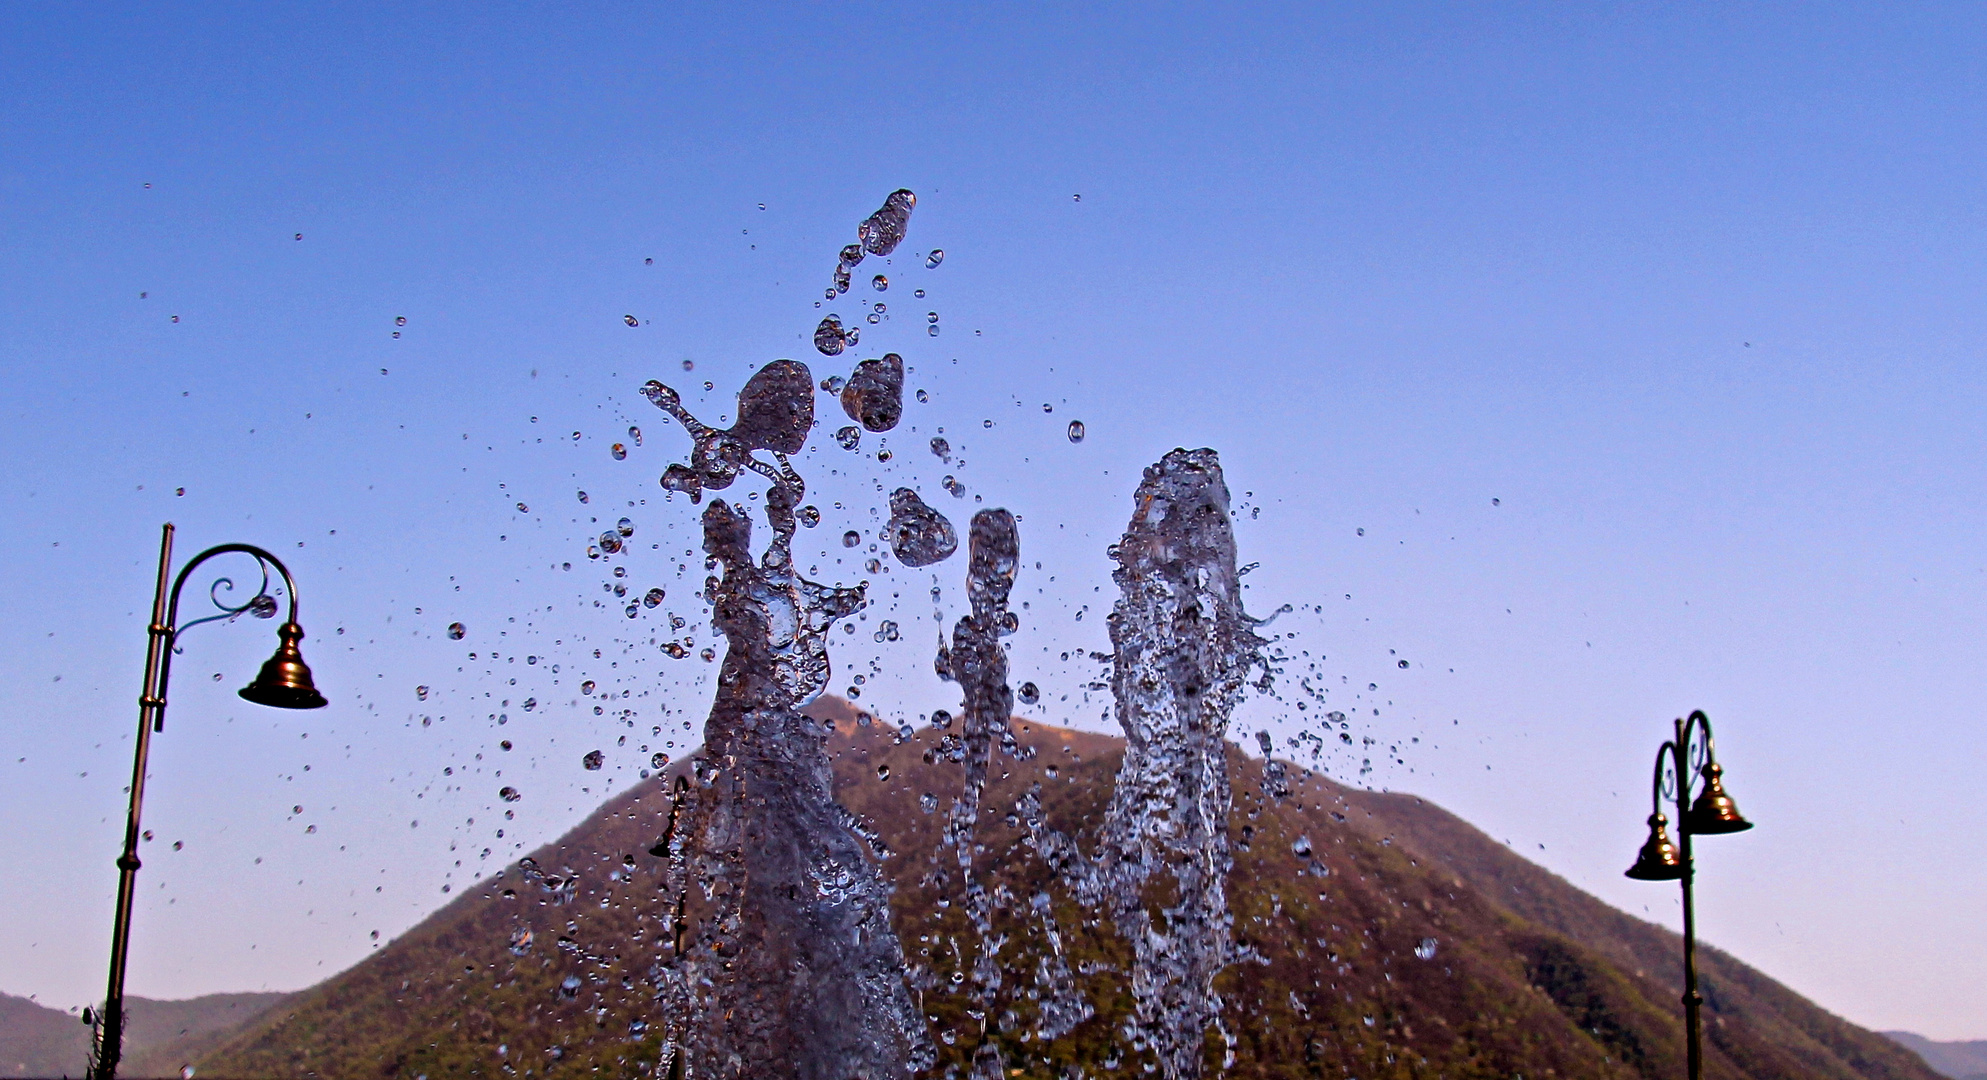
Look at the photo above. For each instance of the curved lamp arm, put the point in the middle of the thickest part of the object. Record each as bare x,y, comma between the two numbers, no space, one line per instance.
264,560
1665,772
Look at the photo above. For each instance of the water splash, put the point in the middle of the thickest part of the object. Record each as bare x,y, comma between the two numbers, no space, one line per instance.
874,395
785,961
1182,650
919,535
884,230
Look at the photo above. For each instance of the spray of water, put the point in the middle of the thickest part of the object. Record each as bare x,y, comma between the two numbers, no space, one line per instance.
785,961
1182,651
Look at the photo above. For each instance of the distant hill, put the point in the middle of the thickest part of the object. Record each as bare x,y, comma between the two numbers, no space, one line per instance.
1959,1060
37,1041
1428,950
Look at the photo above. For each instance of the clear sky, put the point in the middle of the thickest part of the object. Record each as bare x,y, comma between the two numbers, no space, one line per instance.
1602,363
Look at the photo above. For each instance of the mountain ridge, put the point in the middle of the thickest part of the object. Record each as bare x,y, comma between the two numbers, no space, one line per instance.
1960,1059
162,1035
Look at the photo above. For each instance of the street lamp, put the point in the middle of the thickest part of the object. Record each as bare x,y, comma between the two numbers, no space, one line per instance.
1713,812
283,683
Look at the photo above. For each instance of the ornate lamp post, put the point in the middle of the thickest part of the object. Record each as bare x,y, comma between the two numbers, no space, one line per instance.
283,683
1685,757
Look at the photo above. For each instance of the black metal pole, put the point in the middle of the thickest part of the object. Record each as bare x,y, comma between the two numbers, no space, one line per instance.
1691,999
151,711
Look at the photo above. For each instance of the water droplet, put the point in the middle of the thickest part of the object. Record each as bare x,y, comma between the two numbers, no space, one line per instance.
520,941
1076,431
625,527
455,631
635,435
928,802
400,320
919,535
618,452
593,760
1403,663
849,438
1301,847
509,794
1426,950
530,703
1048,408
523,509
587,687
923,397
263,606
1361,532
952,484
920,294
576,436
851,538
1029,693
631,320
883,772
583,497
179,491
652,597
810,515
879,283
884,230
931,316
932,260
941,449
829,337
689,365
421,693
874,395
658,760
610,542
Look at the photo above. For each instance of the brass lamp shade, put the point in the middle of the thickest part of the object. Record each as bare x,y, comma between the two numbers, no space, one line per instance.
285,681
1659,860
1714,812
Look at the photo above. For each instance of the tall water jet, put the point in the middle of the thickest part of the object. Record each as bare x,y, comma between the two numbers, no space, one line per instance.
785,963
1182,649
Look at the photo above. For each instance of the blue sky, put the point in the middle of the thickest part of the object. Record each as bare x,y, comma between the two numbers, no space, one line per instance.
1692,293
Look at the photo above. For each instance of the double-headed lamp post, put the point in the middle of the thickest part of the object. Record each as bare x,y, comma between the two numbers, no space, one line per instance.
283,683
1689,755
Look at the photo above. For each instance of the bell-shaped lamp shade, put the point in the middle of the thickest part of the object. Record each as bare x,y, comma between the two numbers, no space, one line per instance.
285,681
1714,812
1658,860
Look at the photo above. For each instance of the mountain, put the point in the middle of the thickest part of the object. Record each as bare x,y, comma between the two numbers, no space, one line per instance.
1425,949
161,1036
1959,1060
